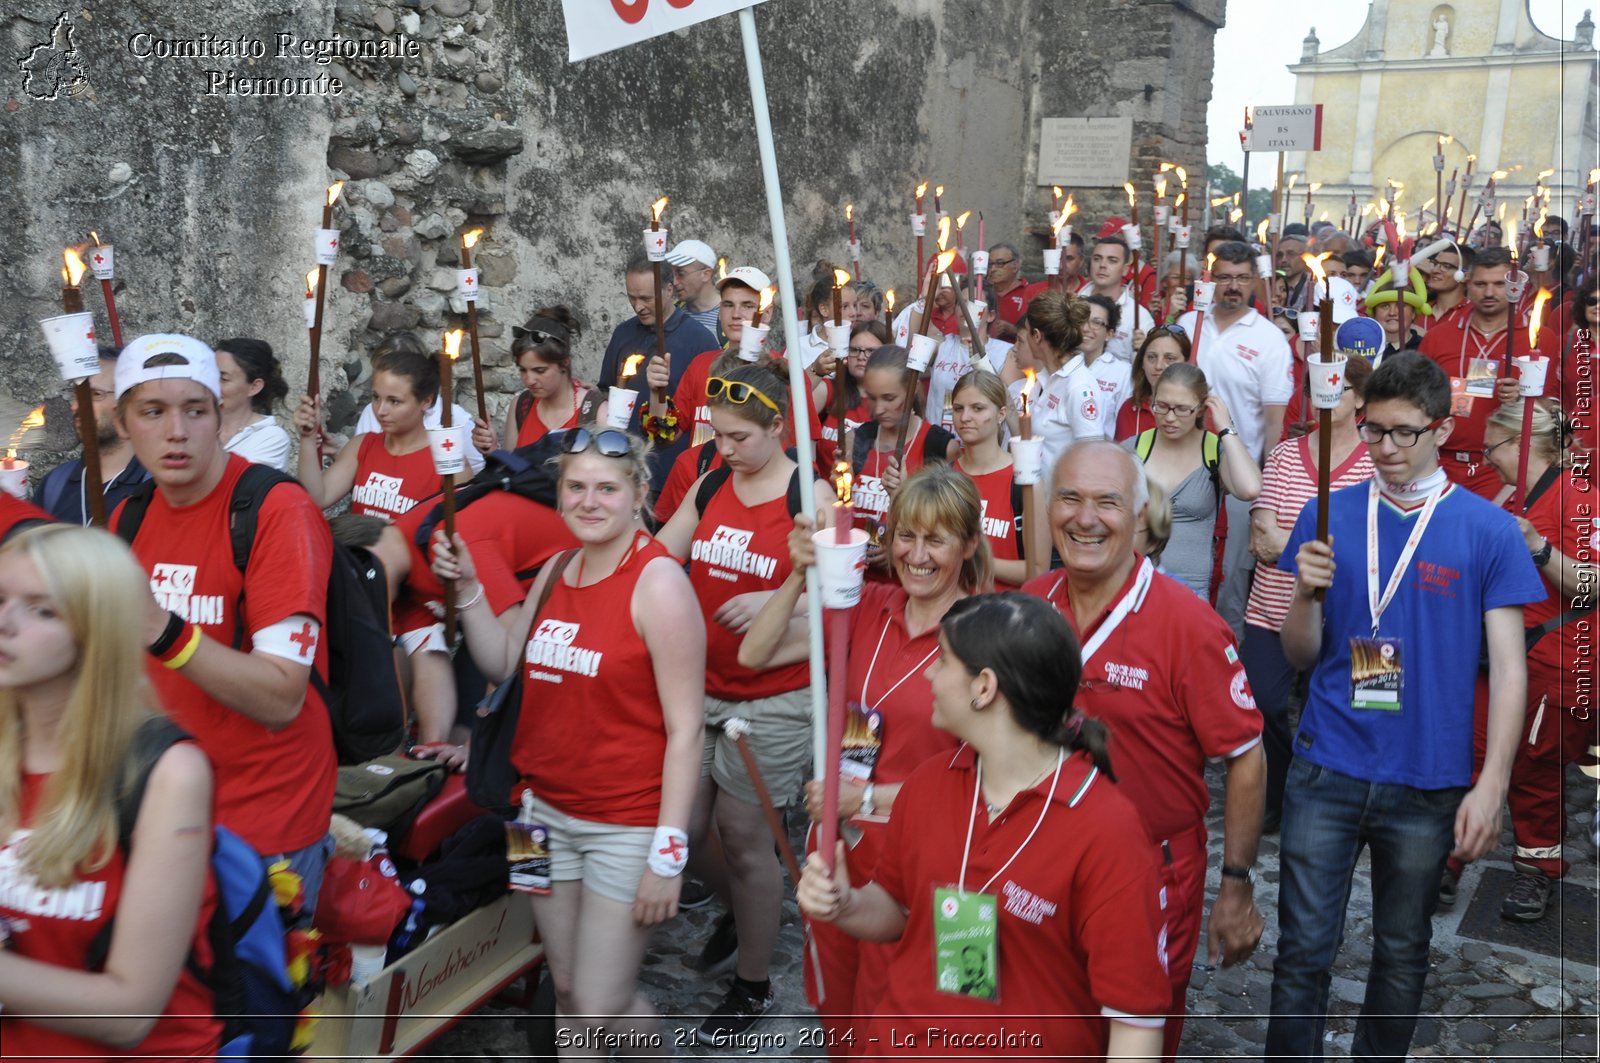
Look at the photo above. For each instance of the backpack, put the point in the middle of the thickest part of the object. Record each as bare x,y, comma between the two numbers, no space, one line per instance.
1211,457
362,692
529,472
935,444
249,976
587,405
720,475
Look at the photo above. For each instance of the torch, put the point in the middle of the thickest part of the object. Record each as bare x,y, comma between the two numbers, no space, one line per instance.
838,670
1032,562
1466,185
1205,291
1134,239
1438,182
72,303
327,253
13,471
1157,225
1401,274
656,246
467,282
1055,207
913,369
919,225
1311,189
840,279
980,259
1324,408
1516,285
961,232
1181,238
447,482
1533,374
855,244
101,261
1245,137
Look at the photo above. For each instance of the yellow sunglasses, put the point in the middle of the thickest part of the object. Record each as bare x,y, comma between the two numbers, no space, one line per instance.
738,392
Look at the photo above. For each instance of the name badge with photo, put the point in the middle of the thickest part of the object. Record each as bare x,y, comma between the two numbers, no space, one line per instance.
966,945
1377,675
1482,374
528,854
863,741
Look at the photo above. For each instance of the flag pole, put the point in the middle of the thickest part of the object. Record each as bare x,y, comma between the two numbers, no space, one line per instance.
799,397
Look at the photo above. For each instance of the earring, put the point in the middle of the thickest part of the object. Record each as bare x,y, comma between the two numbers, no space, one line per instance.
974,704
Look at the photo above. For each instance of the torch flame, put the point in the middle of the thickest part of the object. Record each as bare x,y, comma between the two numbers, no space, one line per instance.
841,482
1382,206
849,212
722,267
335,190
1166,166
35,419
1234,215
1501,213
1127,186
1176,203
841,277
1535,319
1056,193
452,344
311,282
1314,264
944,231
1183,175
1316,186
961,221
1027,389
1500,175
1400,225
1538,226
1594,175
922,189
655,211
631,366
888,301
1210,258
1377,258
938,192
1544,173
1448,138
470,240
1293,178
1249,117
96,238
1261,232
1161,185
770,292
1220,200
945,261
75,267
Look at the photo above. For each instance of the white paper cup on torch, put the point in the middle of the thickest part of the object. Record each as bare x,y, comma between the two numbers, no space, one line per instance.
855,250
1055,218
841,569
655,244
1310,326
1327,381
1163,212
449,447
309,304
327,246
1539,258
467,284
1530,375
1264,265
619,408
14,478
1516,284
980,263
1205,293
101,261
71,340
1027,460
1130,233
1052,262
919,225
921,353
1181,234
838,337
754,338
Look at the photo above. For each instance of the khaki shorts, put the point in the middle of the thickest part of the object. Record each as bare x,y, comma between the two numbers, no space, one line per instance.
605,857
779,737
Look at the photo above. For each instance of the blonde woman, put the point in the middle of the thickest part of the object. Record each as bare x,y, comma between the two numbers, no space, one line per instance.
73,699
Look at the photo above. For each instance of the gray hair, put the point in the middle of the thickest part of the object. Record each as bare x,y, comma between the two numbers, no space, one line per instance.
1141,479
1170,263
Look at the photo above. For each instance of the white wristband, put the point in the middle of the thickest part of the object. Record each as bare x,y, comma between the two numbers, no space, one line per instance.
669,852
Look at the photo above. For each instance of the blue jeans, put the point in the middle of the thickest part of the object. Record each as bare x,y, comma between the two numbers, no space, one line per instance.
1272,680
1327,818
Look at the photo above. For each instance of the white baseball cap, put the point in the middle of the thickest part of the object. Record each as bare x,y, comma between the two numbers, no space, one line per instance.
687,252
1343,294
748,276
199,363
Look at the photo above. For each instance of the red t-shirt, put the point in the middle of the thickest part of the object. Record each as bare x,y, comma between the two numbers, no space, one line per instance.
738,549
685,471
592,735
274,788
1563,514
1131,420
1168,683
1453,343
1013,304
14,511
388,485
1001,520
828,441
1078,926
694,412
58,925
870,496
532,429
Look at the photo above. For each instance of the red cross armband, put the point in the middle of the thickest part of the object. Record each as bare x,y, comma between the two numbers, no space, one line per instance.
293,639
669,852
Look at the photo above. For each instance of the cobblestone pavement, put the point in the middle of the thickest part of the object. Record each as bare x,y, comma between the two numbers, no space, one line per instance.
1485,1000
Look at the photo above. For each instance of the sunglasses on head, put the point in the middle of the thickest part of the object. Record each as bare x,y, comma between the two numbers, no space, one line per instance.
738,392
609,442
1170,330
1286,312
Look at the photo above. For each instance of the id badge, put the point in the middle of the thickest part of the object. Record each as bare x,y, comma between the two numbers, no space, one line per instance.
528,854
1377,675
966,945
863,741
1482,374
1460,401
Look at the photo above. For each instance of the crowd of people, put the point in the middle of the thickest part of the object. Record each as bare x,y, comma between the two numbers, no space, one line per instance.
1039,669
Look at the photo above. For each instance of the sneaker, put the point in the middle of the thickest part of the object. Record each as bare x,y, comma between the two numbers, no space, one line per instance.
721,949
695,894
738,1012
1528,896
1448,886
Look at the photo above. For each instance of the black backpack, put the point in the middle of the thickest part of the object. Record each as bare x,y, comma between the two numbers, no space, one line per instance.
717,477
587,405
362,692
529,472
935,444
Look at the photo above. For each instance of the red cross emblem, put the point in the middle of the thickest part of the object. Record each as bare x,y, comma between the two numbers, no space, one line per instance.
90,334
99,258
1333,380
674,850
161,578
448,445
334,242
304,638
468,281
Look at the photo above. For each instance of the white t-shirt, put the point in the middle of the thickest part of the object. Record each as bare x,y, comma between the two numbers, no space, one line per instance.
432,419
1115,377
263,441
950,361
1130,315
1249,364
1066,407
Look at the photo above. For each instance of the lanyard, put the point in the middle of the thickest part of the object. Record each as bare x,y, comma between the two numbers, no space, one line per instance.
874,663
1130,601
1485,350
972,817
1376,605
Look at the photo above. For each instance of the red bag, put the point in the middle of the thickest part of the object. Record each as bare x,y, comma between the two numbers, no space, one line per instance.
361,902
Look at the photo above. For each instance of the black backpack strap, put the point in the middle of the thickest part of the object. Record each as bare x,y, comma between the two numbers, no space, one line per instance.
708,454
1018,506
21,526
134,507
709,486
586,405
936,444
866,438
1551,475
794,497
524,407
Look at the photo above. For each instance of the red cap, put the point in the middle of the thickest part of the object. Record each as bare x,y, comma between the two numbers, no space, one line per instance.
1112,227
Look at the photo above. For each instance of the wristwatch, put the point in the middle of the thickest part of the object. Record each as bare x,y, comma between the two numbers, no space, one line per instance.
1541,556
1224,433
1243,874
868,807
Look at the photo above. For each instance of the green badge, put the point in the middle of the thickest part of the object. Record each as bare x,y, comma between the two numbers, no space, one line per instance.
966,949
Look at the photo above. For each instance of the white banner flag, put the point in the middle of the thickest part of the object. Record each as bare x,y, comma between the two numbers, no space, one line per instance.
597,26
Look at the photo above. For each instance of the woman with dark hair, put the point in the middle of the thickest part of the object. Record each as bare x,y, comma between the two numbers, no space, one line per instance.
1065,401
1163,345
252,387
1110,371
552,399
866,336
433,416
1016,845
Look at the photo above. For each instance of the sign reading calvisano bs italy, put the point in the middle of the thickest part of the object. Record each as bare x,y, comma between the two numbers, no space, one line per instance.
596,26
1296,127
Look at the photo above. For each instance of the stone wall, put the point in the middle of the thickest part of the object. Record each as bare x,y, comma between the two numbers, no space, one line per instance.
210,198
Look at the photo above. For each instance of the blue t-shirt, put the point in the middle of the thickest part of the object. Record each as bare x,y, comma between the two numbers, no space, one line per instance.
1471,559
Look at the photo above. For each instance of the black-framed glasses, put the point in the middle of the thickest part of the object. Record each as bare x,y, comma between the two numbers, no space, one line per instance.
1491,447
1404,436
995,263
1098,323
609,442
738,392
1161,409
862,352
